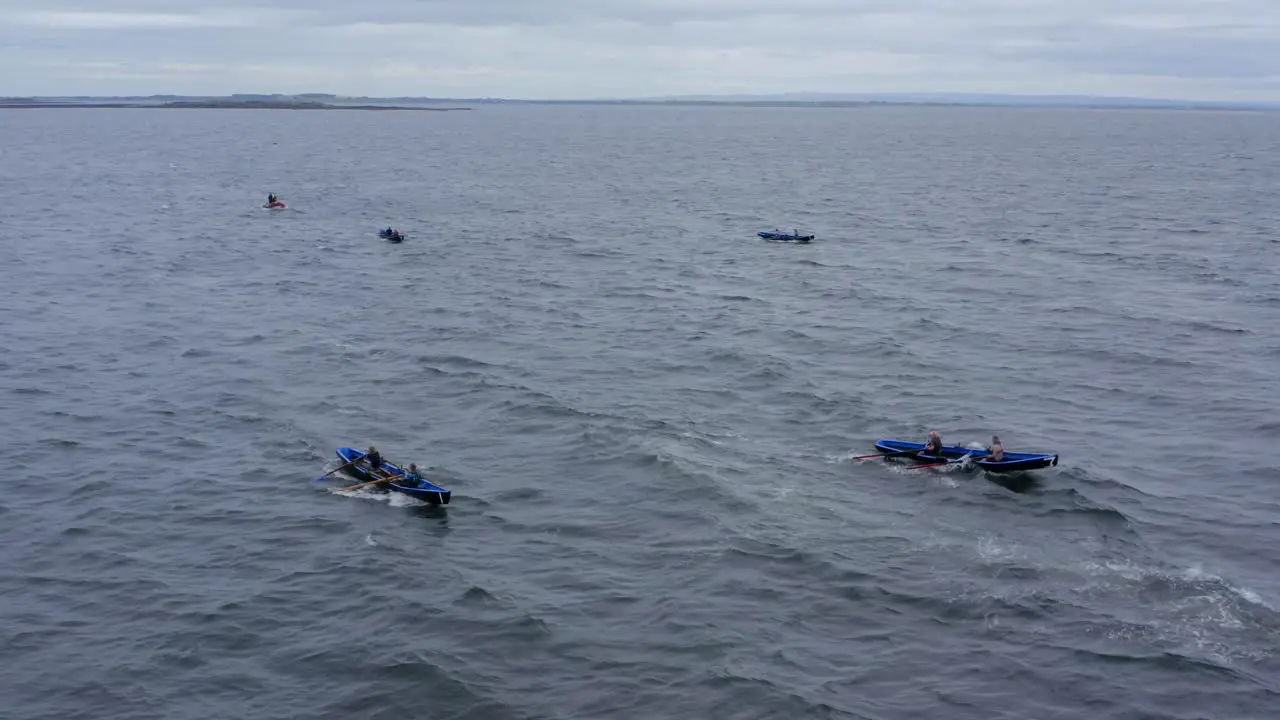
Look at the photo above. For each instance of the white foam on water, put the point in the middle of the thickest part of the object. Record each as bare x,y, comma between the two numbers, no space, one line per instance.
1197,572
782,492
993,549
901,469
1253,597
1199,612
399,499
1123,568
708,438
394,499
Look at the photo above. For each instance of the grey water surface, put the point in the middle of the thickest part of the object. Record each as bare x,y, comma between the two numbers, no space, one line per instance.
647,415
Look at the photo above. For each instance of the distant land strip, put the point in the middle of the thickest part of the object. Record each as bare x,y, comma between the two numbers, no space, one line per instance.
325,101
28,104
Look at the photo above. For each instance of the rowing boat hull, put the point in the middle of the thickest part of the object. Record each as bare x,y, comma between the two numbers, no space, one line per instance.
429,492
785,237
1012,462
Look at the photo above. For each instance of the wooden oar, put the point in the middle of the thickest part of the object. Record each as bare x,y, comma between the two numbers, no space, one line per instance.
340,467
888,454
371,482
928,465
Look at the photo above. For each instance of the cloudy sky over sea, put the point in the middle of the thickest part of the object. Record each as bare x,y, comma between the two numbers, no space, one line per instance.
1186,49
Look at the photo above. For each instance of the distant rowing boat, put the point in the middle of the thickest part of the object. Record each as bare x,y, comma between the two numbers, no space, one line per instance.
785,237
360,470
1011,462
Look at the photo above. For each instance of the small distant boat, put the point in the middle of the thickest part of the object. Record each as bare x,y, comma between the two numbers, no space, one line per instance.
1012,461
394,236
427,491
785,237
277,205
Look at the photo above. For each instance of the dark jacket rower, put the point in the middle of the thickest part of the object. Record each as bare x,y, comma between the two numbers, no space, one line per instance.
374,458
934,445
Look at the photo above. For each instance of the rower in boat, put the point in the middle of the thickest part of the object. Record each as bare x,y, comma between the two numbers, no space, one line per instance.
392,477
934,445
995,453
374,458
984,458
411,477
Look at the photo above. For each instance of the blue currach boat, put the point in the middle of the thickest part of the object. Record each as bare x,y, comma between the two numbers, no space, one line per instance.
426,491
1012,461
785,237
394,236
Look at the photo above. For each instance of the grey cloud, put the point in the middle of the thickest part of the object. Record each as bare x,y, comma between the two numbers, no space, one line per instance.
578,48
1224,51
543,12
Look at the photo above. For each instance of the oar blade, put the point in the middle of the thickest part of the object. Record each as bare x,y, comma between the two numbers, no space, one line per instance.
340,467
357,486
894,453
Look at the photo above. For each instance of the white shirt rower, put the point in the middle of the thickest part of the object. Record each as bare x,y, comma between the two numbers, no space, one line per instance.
995,453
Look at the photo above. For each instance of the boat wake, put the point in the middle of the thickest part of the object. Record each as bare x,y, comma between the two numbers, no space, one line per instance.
394,499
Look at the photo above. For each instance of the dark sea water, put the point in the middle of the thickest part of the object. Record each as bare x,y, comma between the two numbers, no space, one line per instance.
648,416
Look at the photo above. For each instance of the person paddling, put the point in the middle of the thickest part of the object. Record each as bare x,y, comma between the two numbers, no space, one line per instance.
374,458
412,478
995,452
934,444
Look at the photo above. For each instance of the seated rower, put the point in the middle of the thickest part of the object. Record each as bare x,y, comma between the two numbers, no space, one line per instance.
374,458
934,445
411,477
995,453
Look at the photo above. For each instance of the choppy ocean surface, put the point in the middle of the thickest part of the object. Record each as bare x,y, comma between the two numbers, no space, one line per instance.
646,414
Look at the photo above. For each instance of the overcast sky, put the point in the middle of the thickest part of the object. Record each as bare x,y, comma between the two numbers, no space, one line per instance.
1190,49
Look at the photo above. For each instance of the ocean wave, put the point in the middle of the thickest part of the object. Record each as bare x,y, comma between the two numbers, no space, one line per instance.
1070,501
1188,608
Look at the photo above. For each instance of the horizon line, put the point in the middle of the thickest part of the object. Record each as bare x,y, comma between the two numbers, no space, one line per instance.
789,98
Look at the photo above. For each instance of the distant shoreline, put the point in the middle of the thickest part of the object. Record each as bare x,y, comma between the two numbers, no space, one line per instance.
319,101
208,105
